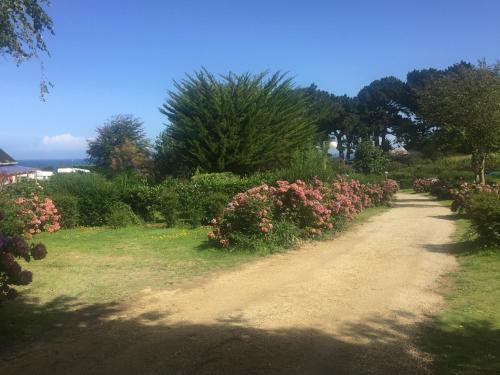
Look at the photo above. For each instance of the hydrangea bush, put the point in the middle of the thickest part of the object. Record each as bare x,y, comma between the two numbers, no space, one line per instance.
12,249
463,193
437,187
39,214
312,208
423,185
24,212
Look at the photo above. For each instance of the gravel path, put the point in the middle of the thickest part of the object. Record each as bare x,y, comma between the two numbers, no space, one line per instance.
348,306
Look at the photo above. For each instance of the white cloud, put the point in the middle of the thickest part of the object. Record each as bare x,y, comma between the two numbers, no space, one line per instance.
63,142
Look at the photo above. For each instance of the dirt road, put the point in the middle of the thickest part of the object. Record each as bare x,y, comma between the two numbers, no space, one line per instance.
347,306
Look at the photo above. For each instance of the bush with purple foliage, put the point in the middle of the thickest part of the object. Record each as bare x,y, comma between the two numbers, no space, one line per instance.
12,249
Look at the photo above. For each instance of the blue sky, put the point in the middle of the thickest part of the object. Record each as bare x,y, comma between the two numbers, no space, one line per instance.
120,56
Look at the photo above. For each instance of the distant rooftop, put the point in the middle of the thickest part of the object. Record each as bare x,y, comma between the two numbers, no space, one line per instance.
6,159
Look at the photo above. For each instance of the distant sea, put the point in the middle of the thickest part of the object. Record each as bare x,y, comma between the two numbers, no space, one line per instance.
52,164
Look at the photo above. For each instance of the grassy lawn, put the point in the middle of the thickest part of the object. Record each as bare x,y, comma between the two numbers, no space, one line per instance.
91,267
466,336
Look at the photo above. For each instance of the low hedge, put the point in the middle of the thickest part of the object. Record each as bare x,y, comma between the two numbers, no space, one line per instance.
88,199
484,213
95,194
67,207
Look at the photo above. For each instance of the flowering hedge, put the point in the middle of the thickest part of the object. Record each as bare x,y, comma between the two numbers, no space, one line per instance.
423,185
481,204
437,187
312,208
463,193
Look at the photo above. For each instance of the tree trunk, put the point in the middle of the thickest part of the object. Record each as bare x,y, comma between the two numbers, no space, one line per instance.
478,162
482,166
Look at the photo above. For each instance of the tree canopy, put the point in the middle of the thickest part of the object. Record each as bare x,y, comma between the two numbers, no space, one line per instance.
337,117
384,106
120,145
466,101
22,27
237,123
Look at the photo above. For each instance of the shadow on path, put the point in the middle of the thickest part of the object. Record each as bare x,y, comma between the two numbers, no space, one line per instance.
96,339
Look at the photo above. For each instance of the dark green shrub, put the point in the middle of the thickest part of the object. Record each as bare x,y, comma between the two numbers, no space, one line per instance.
370,158
10,223
441,189
484,212
205,195
214,204
121,215
67,207
308,163
143,199
168,203
95,195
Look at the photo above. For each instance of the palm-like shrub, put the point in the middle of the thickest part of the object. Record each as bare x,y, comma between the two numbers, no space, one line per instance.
238,123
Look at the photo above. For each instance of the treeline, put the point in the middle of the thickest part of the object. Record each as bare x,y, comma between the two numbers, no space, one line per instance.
253,123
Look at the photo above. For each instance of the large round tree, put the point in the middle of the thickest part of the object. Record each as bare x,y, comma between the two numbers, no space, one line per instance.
238,123
120,146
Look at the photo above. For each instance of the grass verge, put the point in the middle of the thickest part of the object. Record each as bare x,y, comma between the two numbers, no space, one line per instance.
465,337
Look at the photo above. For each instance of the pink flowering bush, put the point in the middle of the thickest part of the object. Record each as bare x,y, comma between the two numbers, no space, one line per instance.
390,187
310,209
423,185
462,194
249,212
38,214
302,204
435,186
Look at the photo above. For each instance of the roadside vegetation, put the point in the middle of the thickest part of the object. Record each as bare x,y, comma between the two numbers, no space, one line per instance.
464,338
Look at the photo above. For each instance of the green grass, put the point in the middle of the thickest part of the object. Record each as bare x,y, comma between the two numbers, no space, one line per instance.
102,264
465,338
